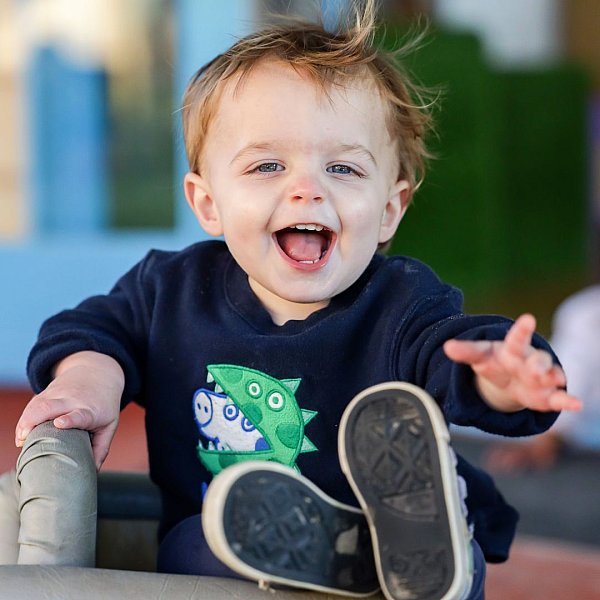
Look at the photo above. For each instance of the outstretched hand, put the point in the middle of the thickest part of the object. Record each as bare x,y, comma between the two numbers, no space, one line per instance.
511,374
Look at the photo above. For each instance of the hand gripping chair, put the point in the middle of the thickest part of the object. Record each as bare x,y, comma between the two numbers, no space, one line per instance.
67,533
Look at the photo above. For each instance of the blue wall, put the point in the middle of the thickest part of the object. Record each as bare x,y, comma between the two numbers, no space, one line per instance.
70,253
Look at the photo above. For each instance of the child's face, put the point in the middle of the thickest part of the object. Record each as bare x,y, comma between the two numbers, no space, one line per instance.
303,188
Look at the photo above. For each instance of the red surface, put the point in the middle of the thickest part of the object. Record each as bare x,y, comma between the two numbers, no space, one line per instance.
128,450
537,570
546,570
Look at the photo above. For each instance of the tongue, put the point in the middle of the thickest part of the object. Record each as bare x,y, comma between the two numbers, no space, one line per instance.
301,246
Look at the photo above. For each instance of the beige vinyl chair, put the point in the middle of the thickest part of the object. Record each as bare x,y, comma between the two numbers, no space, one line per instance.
66,533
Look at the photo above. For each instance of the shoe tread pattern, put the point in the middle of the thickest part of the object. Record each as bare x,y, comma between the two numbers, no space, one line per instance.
392,455
279,526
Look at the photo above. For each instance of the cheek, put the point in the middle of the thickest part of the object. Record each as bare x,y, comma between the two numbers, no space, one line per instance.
243,226
363,219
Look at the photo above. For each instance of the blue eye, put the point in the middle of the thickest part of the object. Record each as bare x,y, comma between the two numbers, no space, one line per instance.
230,412
269,167
342,170
247,425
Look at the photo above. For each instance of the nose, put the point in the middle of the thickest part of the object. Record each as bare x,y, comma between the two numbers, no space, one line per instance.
307,189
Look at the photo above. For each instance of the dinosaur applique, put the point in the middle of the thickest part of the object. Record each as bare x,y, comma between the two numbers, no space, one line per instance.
249,416
224,425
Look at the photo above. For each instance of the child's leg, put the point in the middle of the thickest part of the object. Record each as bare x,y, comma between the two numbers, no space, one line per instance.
271,524
394,450
477,591
185,551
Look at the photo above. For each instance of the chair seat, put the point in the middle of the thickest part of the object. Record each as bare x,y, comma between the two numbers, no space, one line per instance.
74,583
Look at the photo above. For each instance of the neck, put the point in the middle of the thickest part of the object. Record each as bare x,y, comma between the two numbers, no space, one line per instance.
282,310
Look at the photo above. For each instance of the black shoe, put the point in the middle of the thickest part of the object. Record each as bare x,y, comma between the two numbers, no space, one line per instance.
269,523
394,450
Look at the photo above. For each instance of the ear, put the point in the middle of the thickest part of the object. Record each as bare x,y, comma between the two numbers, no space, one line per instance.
198,195
394,210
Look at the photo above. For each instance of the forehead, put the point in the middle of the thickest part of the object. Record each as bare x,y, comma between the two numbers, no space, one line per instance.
272,98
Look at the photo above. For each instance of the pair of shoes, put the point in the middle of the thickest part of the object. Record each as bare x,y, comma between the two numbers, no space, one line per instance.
270,524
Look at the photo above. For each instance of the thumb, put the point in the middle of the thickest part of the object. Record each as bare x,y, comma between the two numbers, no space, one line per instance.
101,441
80,418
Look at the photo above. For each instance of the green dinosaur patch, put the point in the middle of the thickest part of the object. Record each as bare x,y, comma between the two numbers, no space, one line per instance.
250,416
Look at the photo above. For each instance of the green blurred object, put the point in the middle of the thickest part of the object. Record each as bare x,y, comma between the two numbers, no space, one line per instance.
546,154
142,163
504,203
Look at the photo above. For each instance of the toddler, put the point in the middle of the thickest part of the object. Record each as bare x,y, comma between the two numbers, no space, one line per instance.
304,149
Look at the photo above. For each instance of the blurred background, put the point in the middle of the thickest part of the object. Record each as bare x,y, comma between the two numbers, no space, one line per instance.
91,157
91,163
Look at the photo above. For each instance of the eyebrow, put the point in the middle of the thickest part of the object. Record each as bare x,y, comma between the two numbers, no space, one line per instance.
358,149
261,146
252,148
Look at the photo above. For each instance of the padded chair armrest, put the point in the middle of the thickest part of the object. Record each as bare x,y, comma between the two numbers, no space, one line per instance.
56,480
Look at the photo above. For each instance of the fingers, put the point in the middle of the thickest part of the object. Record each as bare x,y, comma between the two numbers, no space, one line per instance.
513,353
539,370
39,409
469,352
518,338
515,348
536,370
82,418
512,373
539,362
561,400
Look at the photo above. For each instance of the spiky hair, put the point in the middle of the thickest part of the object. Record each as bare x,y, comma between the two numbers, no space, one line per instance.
328,58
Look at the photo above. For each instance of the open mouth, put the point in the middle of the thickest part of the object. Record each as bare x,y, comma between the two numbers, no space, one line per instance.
306,244
223,425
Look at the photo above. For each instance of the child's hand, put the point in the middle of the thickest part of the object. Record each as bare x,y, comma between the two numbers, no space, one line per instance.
85,394
512,374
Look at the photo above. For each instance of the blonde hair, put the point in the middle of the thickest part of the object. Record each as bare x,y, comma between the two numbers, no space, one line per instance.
329,58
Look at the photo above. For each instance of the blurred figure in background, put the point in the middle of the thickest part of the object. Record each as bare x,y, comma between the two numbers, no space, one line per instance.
576,339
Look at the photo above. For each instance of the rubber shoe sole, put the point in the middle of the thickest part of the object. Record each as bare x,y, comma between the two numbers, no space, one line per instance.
270,524
394,450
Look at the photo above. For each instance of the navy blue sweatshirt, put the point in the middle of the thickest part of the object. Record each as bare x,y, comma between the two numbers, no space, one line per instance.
220,382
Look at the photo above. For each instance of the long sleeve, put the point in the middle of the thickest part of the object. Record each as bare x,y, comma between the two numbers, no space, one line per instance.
421,358
114,324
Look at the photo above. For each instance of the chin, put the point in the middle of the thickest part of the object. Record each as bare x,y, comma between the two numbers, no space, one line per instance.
303,296
315,292
305,299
